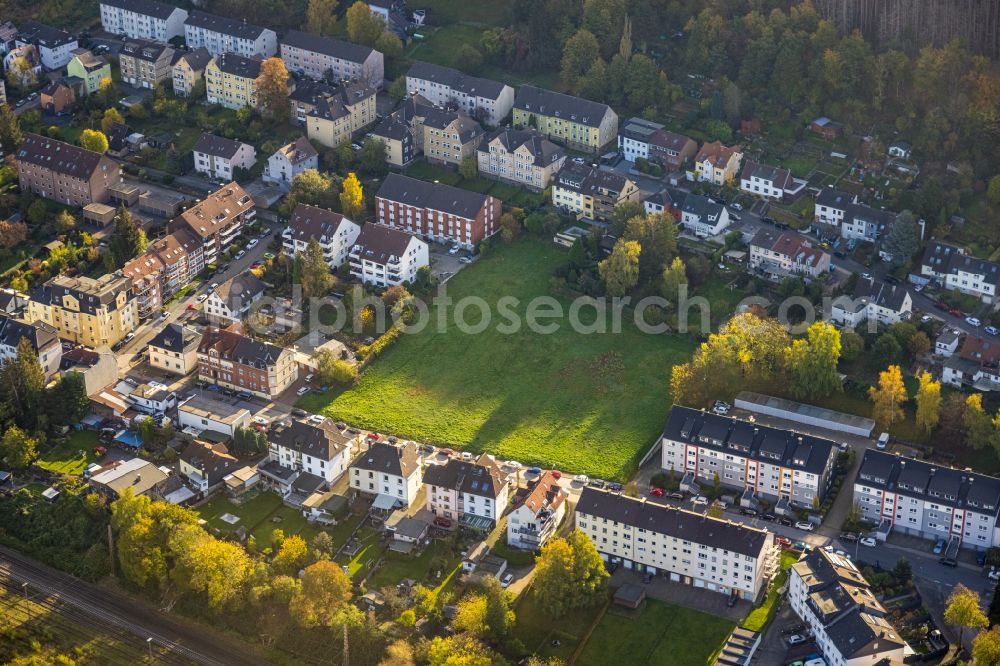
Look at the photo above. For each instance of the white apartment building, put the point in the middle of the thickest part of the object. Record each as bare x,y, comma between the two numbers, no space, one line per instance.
702,217
532,522
219,157
143,19
953,268
321,450
873,301
831,206
221,35
485,100
769,182
332,59
231,301
55,46
174,350
44,341
976,365
335,234
473,494
153,398
391,473
289,161
383,256
690,548
779,254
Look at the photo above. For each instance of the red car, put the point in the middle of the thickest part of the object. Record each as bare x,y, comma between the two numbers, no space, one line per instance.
447,452
100,451
441,521
556,474
784,542
941,306
656,492
955,312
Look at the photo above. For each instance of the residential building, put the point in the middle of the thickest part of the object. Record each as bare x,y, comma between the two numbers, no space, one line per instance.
183,257
12,302
55,46
217,219
90,312
779,254
205,465
590,192
865,223
232,360
388,471
219,157
953,268
976,366
342,115
197,414
335,234
716,163
8,37
174,350
668,201
384,256
322,449
231,80
634,137
97,368
43,338
89,68
485,100
685,547
769,182
138,475
189,69
289,161
143,19
398,140
702,217
331,59
522,157
643,139
394,13
305,96
930,501
900,149
473,494
152,398
450,137
836,603
63,172
532,522
873,301
3,92
947,341
436,211
575,122
773,463
222,35
146,63
231,300
831,206
57,98
146,275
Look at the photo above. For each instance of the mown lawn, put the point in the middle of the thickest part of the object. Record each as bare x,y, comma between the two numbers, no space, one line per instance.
509,194
538,629
494,13
660,633
590,403
397,566
71,456
760,616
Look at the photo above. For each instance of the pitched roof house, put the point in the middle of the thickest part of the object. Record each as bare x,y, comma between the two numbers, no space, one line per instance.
391,473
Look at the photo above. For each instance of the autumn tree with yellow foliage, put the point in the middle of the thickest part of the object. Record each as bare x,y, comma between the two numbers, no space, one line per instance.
352,198
928,403
888,397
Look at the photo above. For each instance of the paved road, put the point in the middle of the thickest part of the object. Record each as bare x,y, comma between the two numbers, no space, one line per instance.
106,607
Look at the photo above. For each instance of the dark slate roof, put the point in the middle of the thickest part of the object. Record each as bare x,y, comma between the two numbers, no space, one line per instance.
482,477
445,198
832,198
143,49
467,128
544,151
117,136
61,157
213,460
639,129
392,128
771,445
238,290
324,442
854,212
174,337
335,48
239,348
333,106
672,521
237,65
44,35
226,26
379,243
777,176
949,259
217,146
91,295
152,8
470,85
668,197
891,296
308,222
198,58
548,103
670,140
696,204
589,180
39,334
387,458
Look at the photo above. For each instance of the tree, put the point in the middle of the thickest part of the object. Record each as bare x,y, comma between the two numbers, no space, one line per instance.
316,276
372,157
903,239
470,616
887,349
622,214
986,647
673,278
887,398
271,88
292,556
510,228
470,57
606,20
657,237
458,650
919,344
10,130
326,589
64,221
332,370
992,191
569,574
978,424
37,212
398,653
963,611
620,271
94,140
322,546
313,188
12,233
928,403
17,448
23,385
851,345
127,241
812,362
579,54
111,118
363,26
321,16
390,45
352,198
218,569
468,169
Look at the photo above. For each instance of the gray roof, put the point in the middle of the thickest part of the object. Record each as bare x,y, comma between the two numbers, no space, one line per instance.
39,334
143,49
588,180
174,337
392,128
335,48
548,103
834,198
456,80
217,146
237,65
891,296
668,197
639,129
437,196
949,259
61,157
44,35
696,204
90,294
324,442
224,25
239,290
672,521
467,128
482,477
380,243
214,461
777,176
198,58
544,151
239,349
331,107
386,458
152,8
308,222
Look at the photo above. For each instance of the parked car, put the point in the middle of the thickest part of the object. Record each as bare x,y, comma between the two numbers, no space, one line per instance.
582,479
955,312
213,286
784,520
720,407
467,456
748,512
240,254
298,411
616,487
850,537
202,298
784,542
868,541
736,206
656,492
805,525
317,418
556,474
597,483
259,420
534,470
795,639
441,521
994,574
465,260
991,330
948,562
506,580
252,243
973,321
675,495
309,378
302,391
938,546
768,516
698,500
454,250
513,464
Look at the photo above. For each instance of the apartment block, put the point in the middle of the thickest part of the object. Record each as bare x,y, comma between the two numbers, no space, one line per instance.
219,157
231,80
318,449
232,360
873,300
716,163
450,137
145,63
189,69
383,256
769,182
289,161
521,157
703,217
54,46
643,139
535,520
143,19
217,219
391,473
953,268
43,338
174,350
485,100
573,121
592,193
231,301
95,313
473,494
335,233
331,59
63,172
340,116
90,69
220,35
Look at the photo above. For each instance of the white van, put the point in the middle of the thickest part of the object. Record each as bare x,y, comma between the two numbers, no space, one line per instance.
883,441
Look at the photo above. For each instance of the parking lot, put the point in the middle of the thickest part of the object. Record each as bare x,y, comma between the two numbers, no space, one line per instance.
444,265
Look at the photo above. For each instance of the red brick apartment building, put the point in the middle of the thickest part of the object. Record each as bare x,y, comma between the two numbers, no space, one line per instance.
65,173
232,360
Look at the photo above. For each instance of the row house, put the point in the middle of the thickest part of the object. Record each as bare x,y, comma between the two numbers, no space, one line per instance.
63,172
769,182
219,157
685,547
54,46
229,359
774,463
643,139
831,205
450,137
716,163
953,268
854,220
43,338
485,100
189,69
95,313
383,256
874,301
304,97
391,473
591,193
535,520
573,121
231,80
58,98
473,494
145,63
217,220
90,69
849,625
331,59
339,117
779,254
668,201
334,233
168,265
300,447
976,365
521,157
220,35
402,132
205,465
143,19
289,161
436,211
174,350
231,301
928,501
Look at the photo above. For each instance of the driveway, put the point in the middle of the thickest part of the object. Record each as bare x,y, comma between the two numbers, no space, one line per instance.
687,596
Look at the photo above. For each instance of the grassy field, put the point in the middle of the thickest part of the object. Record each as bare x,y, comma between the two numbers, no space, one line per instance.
590,402
494,13
660,633
66,458
260,515
537,629
758,618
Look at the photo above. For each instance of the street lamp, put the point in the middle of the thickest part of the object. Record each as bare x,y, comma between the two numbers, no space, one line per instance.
149,644
24,586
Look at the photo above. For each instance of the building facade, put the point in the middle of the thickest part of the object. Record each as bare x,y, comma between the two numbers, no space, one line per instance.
768,182
65,173
43,338
321,449
231,81
383,256
54,46
219,157
953,268
873,301
335,233
340,116
331,59
779,255
485,100
174,349
388,470
231,301
592,193
639,138
473,494
702,217
231,360
532,522
89,68
575,122
146,63
522,157
143,19
289,161
716,163
189,70
217,220
95,313
222,35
